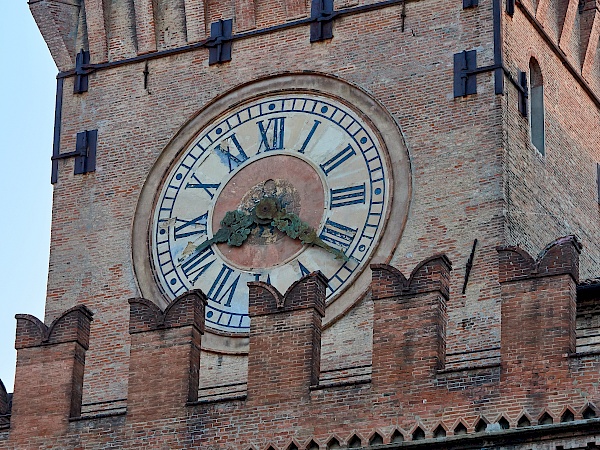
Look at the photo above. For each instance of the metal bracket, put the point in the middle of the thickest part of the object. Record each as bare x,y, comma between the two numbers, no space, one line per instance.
523,92
598,180
465,70
81,73
219,43
470,3
85,154
322,15
510,7
469,267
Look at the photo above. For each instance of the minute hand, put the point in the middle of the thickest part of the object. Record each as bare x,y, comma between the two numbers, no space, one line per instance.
295,228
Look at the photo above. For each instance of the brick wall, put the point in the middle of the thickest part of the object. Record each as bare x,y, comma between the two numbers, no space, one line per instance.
475,175
556,193
540,388
90,259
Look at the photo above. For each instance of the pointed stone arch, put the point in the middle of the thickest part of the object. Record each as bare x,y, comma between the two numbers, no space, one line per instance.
418,433
480,425
504,423
354,441
396,437
439,432
545,418
567,415
334,443
292,446
524,421
312,445
589,411
376,439
460,429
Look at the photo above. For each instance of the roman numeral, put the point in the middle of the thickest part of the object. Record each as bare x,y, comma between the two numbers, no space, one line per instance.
347,196
276,141
338,235
309,137
191,227
261,276
200,185
338,159
303,270
229,159
198,263
223,288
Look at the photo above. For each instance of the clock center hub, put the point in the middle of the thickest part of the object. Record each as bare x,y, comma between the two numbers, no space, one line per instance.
293,184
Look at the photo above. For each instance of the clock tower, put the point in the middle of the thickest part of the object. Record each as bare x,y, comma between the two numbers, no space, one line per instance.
285,225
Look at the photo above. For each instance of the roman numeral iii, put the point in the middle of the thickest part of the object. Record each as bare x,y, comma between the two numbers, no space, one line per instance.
347,196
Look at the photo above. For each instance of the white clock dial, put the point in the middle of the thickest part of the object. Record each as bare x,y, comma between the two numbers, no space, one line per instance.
322,162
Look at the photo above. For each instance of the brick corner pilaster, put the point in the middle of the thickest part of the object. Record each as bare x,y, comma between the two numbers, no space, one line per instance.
432,274
50,367
164,362
558,258
307,292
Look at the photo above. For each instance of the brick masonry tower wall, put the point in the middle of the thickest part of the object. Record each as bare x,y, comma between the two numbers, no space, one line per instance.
540,388
91,251
474,175
555,193
50,368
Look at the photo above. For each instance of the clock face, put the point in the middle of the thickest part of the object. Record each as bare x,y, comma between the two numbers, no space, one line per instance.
320,160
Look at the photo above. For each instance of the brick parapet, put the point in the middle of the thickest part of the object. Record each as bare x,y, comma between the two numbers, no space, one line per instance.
307,292
164,366
285,340
187,309
432,274
558,258
72,326
409,387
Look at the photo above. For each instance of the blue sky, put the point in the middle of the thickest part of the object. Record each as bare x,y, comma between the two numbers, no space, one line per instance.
27,95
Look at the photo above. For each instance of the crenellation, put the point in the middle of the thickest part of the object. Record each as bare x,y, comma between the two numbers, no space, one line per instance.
498,349
72,325
5,407
95,31
145,25
164,357
49,373
559,257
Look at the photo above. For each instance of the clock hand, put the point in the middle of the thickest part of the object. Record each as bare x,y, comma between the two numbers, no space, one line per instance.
294,227
235,228
237,225
310,237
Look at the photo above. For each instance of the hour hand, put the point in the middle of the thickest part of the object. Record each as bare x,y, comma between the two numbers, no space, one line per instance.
310,237
220,236
295,228
235,228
